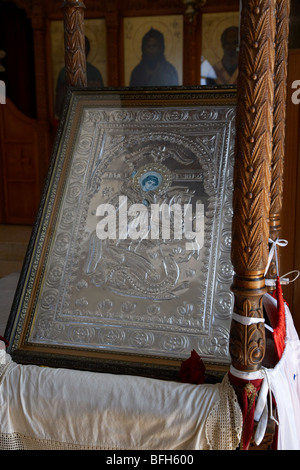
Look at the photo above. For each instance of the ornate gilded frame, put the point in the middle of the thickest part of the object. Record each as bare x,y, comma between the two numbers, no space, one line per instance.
131,306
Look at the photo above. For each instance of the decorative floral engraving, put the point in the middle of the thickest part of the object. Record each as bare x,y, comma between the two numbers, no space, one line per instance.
150,295
81,334
113,336
141,339
185,309
174,342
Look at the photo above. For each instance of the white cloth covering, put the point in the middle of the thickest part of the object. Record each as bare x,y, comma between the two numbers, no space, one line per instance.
48,408
284,381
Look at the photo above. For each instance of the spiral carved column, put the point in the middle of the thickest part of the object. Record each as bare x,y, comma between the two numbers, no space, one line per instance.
279,116
75,58
252,179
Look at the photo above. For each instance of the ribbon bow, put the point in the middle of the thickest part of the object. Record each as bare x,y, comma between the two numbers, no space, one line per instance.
273,250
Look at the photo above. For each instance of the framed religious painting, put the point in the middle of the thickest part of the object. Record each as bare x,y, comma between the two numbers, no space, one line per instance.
153,51
128,268
220,46
95,49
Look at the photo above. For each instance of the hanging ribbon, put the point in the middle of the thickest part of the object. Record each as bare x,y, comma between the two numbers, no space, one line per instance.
248,391
258,410
285,280
273,251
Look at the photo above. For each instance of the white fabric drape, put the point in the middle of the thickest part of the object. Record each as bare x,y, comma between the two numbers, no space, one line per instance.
47,408
284,381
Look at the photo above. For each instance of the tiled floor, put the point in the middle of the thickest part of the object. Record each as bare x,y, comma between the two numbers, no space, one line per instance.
13,244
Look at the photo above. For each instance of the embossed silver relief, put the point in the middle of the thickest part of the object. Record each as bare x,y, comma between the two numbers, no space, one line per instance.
153,295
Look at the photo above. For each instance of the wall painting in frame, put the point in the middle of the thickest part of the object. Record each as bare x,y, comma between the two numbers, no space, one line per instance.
219,55
161,38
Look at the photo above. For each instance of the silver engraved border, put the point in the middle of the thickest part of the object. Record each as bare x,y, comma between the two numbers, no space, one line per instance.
214,348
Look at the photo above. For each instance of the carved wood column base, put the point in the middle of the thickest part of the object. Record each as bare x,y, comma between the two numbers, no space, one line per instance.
247,342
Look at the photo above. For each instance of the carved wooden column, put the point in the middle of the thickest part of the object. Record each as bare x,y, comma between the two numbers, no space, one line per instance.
252,179
75,58
280,79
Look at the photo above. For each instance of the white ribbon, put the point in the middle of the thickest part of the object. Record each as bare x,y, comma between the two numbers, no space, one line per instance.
247,375
285,279
273,250
262,409
246,320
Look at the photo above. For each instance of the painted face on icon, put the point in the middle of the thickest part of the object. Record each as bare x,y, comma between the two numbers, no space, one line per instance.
153,177
150,181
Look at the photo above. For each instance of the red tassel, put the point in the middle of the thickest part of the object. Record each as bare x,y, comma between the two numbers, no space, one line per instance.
277,319
249,397
247,392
